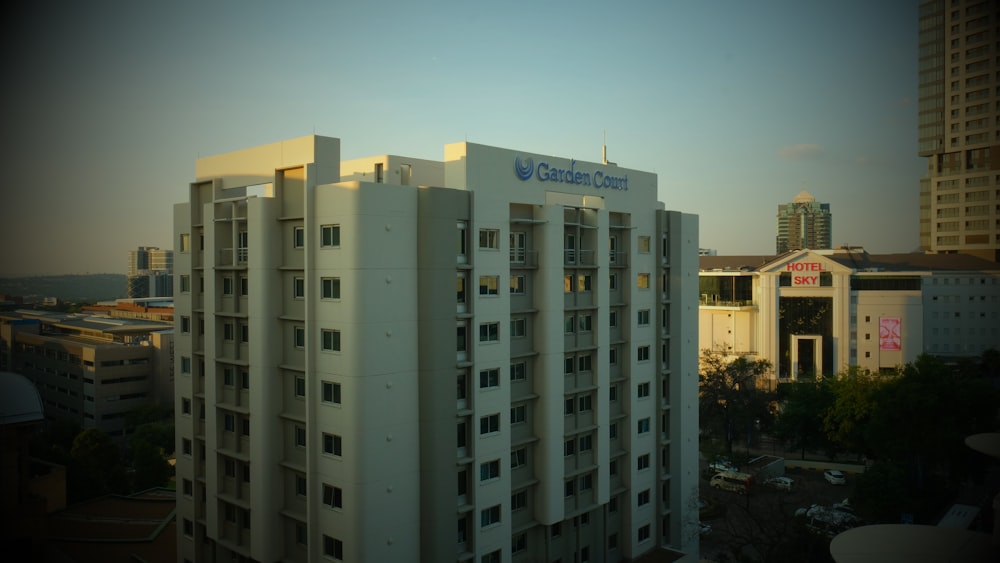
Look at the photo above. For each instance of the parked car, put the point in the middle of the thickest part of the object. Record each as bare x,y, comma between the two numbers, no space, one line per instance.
721,465
834,477
781,483
704,529
731,481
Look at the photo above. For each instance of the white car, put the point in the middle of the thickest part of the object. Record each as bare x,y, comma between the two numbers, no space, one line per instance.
834,477
781,483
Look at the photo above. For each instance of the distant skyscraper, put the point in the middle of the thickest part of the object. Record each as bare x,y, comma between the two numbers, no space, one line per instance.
150,272
804,223
959,127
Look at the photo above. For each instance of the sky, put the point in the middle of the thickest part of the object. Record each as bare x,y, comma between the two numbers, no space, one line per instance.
736,106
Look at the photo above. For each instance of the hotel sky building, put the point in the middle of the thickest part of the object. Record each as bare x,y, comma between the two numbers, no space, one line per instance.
487,358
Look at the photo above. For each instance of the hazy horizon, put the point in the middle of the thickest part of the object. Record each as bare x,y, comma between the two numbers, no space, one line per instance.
735,106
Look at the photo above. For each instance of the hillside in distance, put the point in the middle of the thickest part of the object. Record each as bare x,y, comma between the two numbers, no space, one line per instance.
76,288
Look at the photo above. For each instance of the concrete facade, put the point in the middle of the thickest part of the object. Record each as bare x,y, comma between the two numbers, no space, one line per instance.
496,369
815,313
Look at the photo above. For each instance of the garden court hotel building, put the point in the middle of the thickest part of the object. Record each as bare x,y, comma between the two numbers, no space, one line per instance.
499,368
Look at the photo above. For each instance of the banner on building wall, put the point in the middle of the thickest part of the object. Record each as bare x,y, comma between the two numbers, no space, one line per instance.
890,333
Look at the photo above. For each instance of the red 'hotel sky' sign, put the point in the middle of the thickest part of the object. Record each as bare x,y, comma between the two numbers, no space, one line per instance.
805,274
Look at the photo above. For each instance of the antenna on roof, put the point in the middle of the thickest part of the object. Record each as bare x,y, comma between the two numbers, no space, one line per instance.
604,150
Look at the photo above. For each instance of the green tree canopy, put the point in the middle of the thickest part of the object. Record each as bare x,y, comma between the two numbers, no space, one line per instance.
731,399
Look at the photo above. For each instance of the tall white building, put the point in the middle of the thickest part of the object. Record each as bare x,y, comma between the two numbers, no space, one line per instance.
502,368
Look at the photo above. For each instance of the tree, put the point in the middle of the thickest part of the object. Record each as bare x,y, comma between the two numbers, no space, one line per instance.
731,400
800,419
95,467
847,419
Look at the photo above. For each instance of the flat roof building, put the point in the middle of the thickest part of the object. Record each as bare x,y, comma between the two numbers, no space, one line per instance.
488,358
814,313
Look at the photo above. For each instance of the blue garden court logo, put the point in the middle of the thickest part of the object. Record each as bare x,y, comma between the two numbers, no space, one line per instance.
524,168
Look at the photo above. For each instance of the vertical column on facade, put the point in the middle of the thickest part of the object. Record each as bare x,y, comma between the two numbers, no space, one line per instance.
548,380
212,337
601,362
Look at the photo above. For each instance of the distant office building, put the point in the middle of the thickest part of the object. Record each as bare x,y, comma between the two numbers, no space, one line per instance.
814,313
803,223
88,369
500,369
149,273
959,127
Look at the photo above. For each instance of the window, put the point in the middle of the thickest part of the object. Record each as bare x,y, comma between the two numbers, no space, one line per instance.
613,356
245,379
489,424
583,282
518,500
300,436
642,281
185,406
230,422
643,317
299,288
185,365
488,285
301,534
228,331
329,235
489,470
229,467
330,288
188,528
642,462
300,485
185,283
333,497
643,353
643,425
613,430
584,363
556,530
518,458
518,371
185,242
489,239
643,498
489,332
568,365
569,447
643,390
567,284
227,286
613,541
644,533
585,323
244,286
299,336
569,406
518,328
331,340
585,403
491,557
613,282
188,488
332,444
612,319
517,285
489,378
489,516
644,245
298,237
300,386
228,377
586,483
518,414
569,488
586,443
613,393
332,547
331,392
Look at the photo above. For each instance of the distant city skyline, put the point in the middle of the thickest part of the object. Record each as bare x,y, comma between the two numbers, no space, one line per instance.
734,106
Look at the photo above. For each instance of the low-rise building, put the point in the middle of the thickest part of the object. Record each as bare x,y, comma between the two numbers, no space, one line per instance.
813,313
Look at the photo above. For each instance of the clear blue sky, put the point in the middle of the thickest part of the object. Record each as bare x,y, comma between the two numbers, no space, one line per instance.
736,105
